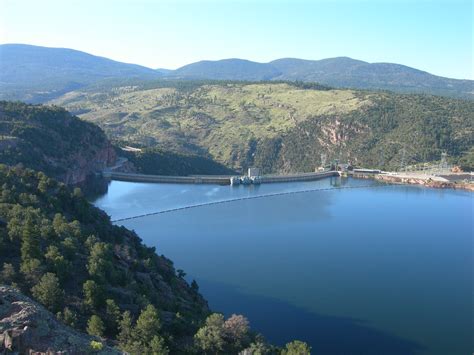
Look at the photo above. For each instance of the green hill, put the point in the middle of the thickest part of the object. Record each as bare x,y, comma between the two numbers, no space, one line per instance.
51,140
280,127
160,162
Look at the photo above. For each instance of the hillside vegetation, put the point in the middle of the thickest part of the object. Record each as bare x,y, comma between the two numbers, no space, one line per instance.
280,127
159,162
59,248
51,140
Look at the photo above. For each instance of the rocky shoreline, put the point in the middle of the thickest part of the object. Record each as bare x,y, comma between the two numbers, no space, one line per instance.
428,181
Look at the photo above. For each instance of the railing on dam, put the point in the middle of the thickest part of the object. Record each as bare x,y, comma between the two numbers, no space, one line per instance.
167,179
298,177
210,179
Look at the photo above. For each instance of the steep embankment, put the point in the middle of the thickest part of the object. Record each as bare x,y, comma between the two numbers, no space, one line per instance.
159,162
392,131
57,247
52,140
278,126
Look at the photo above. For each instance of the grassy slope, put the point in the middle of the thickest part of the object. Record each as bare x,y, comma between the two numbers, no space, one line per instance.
219,119
239,124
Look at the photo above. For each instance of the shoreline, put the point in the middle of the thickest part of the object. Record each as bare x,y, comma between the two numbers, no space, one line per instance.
426,180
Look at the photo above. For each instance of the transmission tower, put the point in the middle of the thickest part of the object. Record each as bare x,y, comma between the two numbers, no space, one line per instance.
323,160
443,164
381,159
402,161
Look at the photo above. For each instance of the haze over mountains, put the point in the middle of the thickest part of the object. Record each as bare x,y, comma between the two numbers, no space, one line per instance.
38,74
34,73
341,72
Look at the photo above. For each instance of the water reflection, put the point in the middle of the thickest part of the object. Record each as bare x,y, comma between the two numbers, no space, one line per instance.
327,334
310,265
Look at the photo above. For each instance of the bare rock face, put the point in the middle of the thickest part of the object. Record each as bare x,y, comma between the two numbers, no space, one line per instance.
85,166
26,327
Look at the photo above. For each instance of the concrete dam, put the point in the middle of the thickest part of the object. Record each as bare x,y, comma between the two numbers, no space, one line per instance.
214,179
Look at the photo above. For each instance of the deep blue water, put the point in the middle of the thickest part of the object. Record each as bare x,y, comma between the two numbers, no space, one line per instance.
372,270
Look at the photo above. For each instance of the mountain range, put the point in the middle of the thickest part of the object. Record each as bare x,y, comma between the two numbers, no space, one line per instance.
33,73
340,72
39,74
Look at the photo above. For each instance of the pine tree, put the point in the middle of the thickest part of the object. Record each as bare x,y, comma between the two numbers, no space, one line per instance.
8,275
112,319
56,261
93,294
95,326
49,292
157,346
68,317
210,337
296,347
125,327
148,325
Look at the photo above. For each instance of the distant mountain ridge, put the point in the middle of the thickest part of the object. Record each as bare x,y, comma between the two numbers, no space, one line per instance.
34,73
339,72
38,74
228,69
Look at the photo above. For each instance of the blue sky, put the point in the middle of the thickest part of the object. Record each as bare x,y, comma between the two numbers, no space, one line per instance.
435,36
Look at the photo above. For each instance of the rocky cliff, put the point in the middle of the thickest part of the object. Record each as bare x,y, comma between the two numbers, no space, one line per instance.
26,326
84,166
51,140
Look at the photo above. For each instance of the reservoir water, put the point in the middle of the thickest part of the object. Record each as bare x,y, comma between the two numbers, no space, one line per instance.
375,269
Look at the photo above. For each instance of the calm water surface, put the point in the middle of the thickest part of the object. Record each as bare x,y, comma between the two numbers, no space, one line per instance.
371,270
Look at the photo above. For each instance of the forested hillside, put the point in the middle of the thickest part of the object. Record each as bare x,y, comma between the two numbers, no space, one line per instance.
51,140
100,279
280,127
159,162
59,248
394,131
